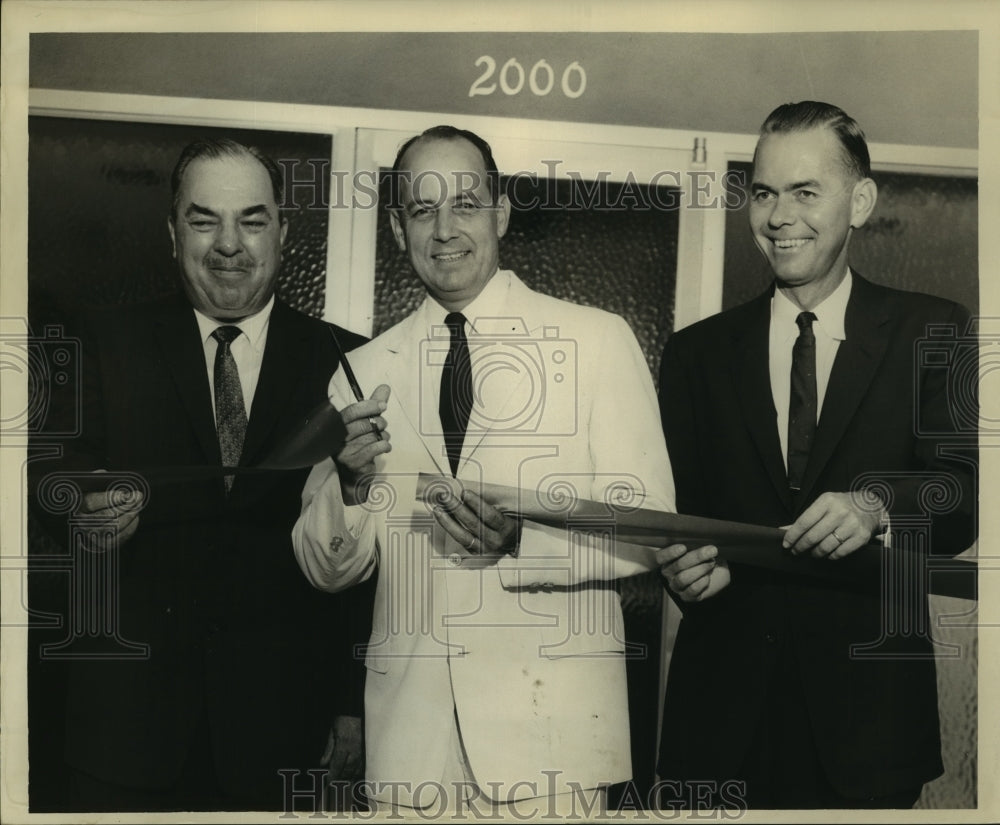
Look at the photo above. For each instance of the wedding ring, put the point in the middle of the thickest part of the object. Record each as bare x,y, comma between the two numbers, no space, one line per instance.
469,544
838,538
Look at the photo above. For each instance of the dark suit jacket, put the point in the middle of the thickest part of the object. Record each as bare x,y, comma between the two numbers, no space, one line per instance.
886,414
236,634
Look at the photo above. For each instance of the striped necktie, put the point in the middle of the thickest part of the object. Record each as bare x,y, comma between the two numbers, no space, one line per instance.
230,412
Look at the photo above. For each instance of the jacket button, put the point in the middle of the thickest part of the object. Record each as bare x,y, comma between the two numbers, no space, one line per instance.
770,638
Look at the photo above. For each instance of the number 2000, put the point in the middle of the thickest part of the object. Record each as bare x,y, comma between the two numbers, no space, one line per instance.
541,79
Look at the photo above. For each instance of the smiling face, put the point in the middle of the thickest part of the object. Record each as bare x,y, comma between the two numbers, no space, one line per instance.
227,236
804,205
449,226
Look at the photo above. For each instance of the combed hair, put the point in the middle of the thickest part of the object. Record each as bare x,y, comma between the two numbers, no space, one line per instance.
812,114
444,132
220,148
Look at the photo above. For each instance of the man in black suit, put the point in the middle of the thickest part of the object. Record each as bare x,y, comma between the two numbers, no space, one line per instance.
223,665
807,408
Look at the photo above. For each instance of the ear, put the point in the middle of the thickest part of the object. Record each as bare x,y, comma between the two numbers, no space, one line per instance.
503,215
863,201
173,236
397,229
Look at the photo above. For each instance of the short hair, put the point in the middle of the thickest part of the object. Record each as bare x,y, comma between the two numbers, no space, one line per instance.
218,148
444,132
812,114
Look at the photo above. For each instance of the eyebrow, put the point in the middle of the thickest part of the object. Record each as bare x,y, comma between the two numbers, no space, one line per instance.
438,202
197,209
804,184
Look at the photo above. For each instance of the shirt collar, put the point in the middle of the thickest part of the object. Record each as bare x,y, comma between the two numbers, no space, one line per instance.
830,313
253,326
488,303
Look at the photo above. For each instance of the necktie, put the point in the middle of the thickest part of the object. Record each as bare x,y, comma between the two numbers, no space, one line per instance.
455,401
230,413
802,404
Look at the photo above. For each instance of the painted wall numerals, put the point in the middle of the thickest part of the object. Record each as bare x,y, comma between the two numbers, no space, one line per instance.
540,79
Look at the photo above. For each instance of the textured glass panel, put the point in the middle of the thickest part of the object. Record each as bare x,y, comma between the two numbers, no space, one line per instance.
923,236
957,704
99,197
620,259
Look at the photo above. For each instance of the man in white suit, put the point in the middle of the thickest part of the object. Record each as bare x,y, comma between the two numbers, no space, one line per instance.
496,673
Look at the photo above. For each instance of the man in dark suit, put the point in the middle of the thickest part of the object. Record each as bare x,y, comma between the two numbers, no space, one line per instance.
808,408
223,666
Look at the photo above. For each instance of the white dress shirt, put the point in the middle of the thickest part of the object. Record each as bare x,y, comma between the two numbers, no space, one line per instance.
829,331
247,349
485,304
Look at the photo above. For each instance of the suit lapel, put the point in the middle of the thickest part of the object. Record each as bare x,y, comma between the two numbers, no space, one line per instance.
866,326
752,378
414,401
183,352
286,354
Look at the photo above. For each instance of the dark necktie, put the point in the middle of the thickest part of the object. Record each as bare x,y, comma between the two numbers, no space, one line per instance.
802,404
455,402
230,413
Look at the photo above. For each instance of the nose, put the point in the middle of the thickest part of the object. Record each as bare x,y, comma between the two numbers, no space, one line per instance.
444,224
782,213
227,239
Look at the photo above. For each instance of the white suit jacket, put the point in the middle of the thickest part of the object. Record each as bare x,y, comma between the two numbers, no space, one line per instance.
529,652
